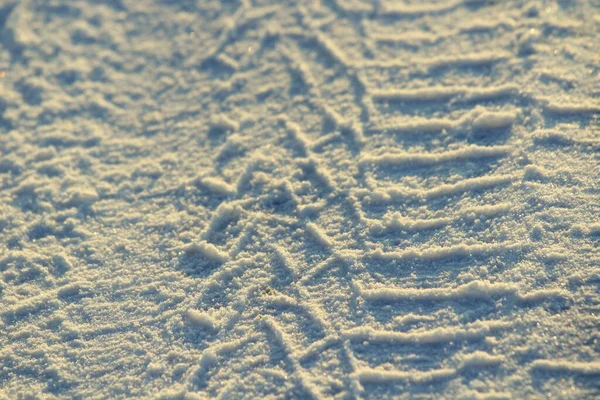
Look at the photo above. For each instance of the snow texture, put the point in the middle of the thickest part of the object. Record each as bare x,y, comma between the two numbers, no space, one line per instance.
321,199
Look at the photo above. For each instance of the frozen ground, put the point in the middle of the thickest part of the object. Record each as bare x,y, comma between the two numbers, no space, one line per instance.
299,199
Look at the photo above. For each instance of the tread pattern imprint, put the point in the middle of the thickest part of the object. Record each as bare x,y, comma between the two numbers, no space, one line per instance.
335,199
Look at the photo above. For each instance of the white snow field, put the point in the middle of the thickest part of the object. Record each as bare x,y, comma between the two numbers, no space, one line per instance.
303,199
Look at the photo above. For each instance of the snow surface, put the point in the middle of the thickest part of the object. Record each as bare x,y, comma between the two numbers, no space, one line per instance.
335,199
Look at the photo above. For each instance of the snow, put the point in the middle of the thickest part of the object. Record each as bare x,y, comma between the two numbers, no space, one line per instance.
341,199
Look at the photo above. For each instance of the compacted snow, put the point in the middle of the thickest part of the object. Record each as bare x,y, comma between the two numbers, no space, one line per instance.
335,199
